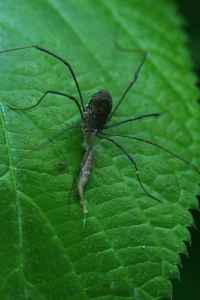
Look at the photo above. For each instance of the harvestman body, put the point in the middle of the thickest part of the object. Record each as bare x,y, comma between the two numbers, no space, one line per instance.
95,116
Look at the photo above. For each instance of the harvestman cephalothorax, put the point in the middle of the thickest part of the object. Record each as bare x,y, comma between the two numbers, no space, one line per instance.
95,115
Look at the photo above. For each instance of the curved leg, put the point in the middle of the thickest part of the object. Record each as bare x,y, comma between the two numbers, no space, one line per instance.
57,57
134,163
51,92
154,144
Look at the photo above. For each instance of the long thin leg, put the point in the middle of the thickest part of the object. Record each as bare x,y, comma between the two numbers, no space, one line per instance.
57,57
56,136
133,162
133,119
51,92
130,85
47,142
154,144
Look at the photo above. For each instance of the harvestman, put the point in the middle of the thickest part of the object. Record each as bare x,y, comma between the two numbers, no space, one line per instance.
95,115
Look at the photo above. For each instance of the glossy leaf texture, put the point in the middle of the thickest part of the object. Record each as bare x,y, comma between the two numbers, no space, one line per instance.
128,247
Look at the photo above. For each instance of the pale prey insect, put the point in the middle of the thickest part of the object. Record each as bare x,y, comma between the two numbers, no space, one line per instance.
95,115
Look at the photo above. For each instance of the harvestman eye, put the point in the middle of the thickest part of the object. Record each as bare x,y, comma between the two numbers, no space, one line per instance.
95,115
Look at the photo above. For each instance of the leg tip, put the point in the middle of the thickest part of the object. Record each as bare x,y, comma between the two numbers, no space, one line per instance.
85,211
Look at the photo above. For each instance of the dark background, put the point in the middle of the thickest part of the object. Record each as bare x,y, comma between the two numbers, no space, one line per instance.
189,286
190,10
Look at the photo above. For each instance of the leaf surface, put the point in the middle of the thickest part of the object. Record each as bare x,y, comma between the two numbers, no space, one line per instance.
128,247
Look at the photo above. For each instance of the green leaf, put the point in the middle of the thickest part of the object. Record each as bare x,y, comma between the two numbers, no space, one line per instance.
128,247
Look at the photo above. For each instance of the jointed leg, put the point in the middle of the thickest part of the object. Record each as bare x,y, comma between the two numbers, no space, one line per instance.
133,162
57,57
51,92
